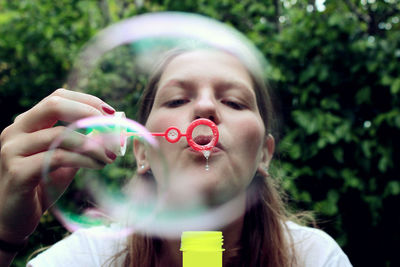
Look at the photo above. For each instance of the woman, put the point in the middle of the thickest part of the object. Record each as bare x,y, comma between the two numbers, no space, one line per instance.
194,84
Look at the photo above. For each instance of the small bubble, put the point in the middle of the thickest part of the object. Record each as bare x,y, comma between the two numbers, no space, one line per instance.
367,124
371,39
139,3
320,4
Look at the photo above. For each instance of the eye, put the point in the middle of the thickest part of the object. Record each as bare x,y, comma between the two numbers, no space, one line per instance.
176,103
234,104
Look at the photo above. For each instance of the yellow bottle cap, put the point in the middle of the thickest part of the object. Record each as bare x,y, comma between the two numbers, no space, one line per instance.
202,241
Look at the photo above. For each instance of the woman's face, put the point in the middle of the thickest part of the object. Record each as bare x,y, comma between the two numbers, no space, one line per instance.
216,86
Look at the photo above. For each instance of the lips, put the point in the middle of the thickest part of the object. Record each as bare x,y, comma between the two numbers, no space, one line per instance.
206,139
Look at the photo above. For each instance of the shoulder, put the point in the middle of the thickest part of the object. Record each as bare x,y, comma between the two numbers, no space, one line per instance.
314,247
85,247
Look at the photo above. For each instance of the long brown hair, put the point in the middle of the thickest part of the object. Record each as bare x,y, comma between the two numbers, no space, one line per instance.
265,239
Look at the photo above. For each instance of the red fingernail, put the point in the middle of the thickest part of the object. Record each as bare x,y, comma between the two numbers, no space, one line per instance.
110,154
107,109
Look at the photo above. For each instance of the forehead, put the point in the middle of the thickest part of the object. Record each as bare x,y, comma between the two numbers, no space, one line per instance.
206,65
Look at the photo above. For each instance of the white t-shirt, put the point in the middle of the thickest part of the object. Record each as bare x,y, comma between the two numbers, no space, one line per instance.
96,246
316,248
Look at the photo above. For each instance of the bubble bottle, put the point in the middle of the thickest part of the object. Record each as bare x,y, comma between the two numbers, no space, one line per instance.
202,248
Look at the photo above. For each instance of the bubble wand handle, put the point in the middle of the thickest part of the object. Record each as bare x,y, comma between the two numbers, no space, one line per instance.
173,135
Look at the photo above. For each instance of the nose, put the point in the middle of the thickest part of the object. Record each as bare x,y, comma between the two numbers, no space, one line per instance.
206,107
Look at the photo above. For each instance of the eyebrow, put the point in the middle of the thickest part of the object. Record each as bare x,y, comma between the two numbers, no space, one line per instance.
220,84
178,83
235,84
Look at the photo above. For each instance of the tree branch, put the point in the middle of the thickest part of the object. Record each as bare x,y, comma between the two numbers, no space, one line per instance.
361,16
277,15
106,11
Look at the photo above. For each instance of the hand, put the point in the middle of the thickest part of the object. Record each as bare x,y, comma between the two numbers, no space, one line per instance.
23,147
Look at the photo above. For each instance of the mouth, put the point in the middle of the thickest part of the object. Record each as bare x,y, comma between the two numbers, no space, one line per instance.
203,140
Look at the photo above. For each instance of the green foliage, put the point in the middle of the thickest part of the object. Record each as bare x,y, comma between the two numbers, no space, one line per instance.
336,73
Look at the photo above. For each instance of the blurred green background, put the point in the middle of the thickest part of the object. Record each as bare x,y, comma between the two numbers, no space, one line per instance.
335,69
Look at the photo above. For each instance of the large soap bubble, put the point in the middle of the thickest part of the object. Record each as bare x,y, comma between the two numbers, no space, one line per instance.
115,66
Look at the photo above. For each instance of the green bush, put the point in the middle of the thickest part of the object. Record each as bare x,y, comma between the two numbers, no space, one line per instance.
336,74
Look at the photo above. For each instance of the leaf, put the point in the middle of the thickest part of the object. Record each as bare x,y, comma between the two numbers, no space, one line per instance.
338,154
329,205
363,96
351,180
305,120
395,87
6,17
392,189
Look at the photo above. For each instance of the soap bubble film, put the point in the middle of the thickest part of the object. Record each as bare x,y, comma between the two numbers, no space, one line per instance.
115,66
103,194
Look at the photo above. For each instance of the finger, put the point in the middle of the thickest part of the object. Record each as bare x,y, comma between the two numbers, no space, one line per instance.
26,145
94,147
28,177
90,100
55,108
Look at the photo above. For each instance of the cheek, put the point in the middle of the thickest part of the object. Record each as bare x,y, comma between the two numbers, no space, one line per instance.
159,160
252,136
253,132
158,124
164,157
161,121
